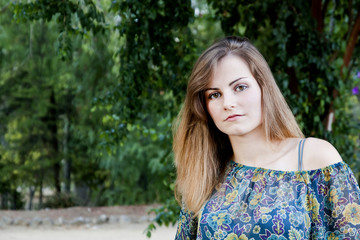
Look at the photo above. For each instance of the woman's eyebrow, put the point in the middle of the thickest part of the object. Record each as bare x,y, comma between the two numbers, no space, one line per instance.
235,81
207,89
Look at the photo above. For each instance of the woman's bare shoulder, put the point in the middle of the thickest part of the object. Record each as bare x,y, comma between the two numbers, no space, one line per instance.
319,153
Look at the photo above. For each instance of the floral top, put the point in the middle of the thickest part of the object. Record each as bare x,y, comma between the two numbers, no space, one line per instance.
257,203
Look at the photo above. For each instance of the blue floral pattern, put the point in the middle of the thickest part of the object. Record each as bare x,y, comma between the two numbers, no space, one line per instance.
256,203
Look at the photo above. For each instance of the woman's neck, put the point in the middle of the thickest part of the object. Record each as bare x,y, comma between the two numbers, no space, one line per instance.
253,149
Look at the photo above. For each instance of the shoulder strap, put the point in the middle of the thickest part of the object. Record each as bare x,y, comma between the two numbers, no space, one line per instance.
300,153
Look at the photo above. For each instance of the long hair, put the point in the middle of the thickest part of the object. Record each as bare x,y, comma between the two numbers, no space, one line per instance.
201,149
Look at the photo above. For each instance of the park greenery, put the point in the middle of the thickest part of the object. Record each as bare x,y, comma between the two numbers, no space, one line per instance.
89,89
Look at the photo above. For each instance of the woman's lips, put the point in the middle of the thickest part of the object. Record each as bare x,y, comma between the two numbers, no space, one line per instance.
233,117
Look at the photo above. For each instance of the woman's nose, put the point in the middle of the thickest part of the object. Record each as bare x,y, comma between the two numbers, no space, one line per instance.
228,101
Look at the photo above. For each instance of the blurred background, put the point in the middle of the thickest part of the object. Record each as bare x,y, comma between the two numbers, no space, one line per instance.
89,89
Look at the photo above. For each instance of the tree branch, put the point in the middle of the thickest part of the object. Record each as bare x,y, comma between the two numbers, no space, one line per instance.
352,41
316,12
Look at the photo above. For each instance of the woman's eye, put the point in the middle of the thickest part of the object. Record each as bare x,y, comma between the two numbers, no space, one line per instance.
214,95
241,87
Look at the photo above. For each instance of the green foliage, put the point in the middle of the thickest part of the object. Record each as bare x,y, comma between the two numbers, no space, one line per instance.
155,58
46,107
165,215
71,17
114,135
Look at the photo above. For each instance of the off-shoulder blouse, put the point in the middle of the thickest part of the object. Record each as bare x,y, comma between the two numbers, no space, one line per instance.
257,203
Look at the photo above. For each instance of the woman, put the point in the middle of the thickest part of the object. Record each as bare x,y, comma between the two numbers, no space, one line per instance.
244,170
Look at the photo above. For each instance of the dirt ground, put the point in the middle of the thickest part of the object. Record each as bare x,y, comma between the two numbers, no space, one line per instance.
109,231
73,212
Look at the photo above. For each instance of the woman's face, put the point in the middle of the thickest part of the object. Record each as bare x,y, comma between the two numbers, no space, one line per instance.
233,98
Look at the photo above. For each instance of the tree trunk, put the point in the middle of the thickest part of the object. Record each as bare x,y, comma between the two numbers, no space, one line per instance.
4,200
14,199
82,193
31,197
52,120
41,190
317,13
67,166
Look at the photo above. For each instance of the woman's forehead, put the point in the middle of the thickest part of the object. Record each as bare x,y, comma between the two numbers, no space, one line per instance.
228,69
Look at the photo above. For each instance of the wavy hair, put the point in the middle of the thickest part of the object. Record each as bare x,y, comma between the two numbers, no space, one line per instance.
201,149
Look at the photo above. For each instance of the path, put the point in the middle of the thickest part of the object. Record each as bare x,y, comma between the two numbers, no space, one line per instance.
133,231
81,223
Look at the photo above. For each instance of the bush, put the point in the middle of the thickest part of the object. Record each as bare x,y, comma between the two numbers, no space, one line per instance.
62,200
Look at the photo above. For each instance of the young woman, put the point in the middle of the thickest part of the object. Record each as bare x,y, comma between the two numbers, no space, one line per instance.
244,169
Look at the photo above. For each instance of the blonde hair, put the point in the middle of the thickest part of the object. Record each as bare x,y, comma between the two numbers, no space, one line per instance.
201,149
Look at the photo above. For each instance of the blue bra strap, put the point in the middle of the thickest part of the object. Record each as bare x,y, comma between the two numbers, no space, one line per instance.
300,153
